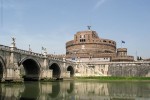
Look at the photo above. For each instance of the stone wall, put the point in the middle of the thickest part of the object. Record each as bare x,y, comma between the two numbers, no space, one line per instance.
124,69
129,70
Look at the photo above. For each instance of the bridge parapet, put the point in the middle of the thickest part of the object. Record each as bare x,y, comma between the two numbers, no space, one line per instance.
29,53
56,57
3,47
7,48
71,62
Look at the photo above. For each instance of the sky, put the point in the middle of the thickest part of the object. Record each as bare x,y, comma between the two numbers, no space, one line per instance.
51,23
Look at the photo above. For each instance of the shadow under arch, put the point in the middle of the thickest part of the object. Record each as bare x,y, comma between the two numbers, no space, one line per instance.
2,68
30,70
55,70
71,69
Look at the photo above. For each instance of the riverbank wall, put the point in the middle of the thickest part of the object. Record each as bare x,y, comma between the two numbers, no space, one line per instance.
117,69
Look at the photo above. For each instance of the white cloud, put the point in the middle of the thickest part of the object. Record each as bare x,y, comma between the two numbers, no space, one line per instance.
98,4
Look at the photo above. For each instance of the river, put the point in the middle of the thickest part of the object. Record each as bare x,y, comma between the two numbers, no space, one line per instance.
75,90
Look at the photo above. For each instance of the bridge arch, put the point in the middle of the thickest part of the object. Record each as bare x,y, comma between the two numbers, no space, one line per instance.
55,70
2,68
30,68
71,69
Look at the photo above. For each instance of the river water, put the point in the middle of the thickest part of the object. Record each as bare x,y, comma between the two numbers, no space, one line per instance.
75,90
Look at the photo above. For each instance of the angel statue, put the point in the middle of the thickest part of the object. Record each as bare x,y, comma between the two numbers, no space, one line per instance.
13,39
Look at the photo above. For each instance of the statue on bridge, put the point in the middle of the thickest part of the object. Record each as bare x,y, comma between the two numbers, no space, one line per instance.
13,39
45,51
13,44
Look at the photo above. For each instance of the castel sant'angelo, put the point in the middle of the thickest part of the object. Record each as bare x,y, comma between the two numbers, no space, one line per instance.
88,46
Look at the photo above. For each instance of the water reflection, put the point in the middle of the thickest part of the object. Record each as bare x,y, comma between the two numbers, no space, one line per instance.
113,91
31,91
11,91
70,90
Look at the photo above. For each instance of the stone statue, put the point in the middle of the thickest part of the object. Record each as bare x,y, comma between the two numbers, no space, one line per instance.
13,39
13,44
89,27
30,48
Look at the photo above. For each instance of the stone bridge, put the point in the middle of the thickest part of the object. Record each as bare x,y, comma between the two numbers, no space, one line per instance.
19,65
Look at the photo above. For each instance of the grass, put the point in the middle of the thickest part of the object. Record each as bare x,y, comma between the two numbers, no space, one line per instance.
113,78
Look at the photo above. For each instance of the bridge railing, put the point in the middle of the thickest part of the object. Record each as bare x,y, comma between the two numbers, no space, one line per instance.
28,52
56,57
68,61
7,48
3,47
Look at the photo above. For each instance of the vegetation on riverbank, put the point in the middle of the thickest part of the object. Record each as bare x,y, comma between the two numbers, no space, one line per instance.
112,78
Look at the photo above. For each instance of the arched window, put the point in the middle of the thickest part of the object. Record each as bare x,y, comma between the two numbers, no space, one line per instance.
82,40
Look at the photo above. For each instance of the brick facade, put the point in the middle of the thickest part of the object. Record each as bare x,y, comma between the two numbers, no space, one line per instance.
87,44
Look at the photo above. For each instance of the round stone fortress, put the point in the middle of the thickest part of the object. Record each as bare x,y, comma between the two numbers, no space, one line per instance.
87,45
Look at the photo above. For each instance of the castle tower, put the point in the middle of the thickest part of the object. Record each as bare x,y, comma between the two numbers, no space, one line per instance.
122,56
87,45
121,52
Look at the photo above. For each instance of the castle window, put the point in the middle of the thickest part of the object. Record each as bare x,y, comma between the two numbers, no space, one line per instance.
82,40
109,41
82,36
104,40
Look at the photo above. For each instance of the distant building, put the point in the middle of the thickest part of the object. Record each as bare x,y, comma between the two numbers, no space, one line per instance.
88,46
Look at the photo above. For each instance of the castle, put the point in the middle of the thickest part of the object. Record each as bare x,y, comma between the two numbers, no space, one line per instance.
88,46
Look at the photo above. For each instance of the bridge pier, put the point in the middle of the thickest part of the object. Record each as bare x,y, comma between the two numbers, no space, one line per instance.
13,70
13,73
46,74
66,73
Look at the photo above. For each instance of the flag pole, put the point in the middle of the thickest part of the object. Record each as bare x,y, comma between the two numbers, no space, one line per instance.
136,54
121,44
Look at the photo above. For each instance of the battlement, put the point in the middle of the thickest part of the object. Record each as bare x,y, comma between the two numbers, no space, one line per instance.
122,50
